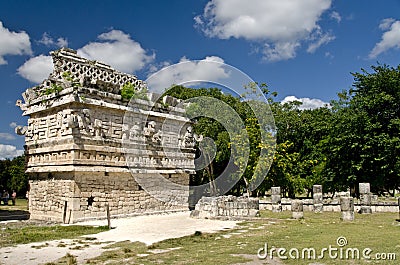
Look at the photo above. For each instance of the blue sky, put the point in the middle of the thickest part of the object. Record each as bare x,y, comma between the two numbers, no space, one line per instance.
303,49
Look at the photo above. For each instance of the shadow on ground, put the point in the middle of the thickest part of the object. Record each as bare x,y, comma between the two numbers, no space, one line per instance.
6,215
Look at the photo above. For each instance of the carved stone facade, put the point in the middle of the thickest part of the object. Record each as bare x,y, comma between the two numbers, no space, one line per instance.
82,135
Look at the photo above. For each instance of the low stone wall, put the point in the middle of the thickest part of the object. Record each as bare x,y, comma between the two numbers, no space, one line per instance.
87,195
226,206
332,205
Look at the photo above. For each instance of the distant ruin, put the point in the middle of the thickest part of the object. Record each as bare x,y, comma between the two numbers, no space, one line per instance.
76,157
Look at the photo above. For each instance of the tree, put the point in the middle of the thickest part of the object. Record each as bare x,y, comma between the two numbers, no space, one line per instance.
364,143
13,176
231,122
299,160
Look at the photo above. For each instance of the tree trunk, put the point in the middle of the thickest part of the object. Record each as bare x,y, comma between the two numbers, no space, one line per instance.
210,173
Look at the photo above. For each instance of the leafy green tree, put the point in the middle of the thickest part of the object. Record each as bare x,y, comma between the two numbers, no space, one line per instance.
236,133
299,160
365,144
13,176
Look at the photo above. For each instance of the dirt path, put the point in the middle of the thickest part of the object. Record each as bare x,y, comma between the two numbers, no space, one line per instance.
147,229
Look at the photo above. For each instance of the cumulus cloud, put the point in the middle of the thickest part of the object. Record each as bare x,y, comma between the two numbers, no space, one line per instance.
280,51
386,23
390,38
36,69
47,40
119,50
114,48
13,43
280,25
13,124
9,151
6,136
307,103
211,68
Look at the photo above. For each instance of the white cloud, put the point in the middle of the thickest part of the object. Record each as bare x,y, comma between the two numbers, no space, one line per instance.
6,136
307,103
115,48
319,40
62,42
13,43
335,16
119,50
50,42
36,69
9,151
13,124
280,25
390,38
212,69
329,55
280,51
386,23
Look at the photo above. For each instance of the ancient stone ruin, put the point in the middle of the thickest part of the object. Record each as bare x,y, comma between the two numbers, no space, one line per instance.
86,145
226,207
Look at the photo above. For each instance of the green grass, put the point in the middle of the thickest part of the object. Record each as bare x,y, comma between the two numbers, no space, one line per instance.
10,236
20,205
380,232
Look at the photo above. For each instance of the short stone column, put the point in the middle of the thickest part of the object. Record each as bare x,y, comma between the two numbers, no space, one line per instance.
347,208
318,199
297,209
399,203
399,208
276,199
365,197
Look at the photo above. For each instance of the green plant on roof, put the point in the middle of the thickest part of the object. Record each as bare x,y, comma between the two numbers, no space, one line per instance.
54,88
128,92
67,76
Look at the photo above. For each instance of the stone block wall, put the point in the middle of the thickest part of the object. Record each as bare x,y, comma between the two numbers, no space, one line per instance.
332,205
226,206
87,195
47,199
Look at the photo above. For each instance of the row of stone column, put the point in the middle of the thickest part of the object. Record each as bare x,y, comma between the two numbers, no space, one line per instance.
317,199
346,203
346,207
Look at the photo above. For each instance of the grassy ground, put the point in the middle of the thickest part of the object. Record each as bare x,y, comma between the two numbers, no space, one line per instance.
379,232
20,205
10,235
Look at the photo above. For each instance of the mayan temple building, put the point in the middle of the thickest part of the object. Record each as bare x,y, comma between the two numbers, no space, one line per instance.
89,147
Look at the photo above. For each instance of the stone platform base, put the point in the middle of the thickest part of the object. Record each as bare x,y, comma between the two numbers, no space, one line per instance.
72,197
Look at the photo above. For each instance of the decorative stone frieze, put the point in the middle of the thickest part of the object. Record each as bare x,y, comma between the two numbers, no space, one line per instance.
83,139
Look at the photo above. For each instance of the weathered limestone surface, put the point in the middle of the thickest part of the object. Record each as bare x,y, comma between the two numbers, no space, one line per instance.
318,199
347,208
82,135
276,199
332,205
365,198
226,206
297,209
